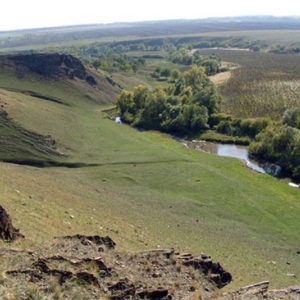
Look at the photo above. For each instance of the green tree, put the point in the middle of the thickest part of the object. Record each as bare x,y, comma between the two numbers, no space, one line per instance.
281,145
211,66
165,72
196,78
126,106
140,96
291,117
175,74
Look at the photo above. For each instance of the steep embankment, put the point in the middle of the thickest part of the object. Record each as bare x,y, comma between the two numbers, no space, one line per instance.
32,88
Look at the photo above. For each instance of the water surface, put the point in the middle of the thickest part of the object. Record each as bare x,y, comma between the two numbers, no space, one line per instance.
240,152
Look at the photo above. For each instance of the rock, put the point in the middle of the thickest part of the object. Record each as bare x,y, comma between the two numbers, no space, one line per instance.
121,290
91,80
156,274
204,263
153,293
102,274
257,290
96,239
7,231
88,278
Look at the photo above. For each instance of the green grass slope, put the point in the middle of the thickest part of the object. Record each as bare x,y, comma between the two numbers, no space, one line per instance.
146,190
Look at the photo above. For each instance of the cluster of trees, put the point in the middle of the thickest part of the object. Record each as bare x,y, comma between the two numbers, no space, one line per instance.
211,64
242,128
280,143
116,61
238,42
183,108
276,142
279,49
159,72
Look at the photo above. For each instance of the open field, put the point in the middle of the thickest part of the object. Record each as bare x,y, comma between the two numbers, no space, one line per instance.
146,191
265,84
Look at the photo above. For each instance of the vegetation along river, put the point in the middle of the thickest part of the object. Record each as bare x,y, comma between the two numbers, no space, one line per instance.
240,152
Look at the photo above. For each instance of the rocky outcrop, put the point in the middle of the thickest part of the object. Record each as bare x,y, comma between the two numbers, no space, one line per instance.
213,270
96,239
52,65
257,290
91,265
7,231
261,290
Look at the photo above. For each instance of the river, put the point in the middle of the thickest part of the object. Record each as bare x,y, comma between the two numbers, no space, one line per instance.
240,152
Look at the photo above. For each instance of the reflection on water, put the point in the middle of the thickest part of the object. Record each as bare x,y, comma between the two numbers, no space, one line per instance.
240,152
232,150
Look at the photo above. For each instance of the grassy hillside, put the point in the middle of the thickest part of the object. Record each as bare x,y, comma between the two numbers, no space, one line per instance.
144,189
31,105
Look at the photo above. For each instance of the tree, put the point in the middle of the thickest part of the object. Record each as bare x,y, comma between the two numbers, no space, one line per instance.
281,145
151,116
291,117
165,72
211,66
125,102
175,74
196,78
140,96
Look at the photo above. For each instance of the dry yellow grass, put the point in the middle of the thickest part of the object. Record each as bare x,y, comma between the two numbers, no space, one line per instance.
220,77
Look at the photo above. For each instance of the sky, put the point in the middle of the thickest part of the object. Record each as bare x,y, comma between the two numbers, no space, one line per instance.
25,14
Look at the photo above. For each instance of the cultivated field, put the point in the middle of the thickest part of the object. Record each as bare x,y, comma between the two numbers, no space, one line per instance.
264,84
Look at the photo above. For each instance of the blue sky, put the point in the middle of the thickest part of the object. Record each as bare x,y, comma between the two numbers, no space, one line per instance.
21,14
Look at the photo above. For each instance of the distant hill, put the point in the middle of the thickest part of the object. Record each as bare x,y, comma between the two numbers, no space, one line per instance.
28,39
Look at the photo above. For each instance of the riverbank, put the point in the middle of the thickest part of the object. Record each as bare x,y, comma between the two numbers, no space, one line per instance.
241,153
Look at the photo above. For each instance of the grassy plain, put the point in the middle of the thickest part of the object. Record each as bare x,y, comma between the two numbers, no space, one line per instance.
146,191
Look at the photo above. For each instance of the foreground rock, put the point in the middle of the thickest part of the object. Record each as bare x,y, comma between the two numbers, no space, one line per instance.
7,231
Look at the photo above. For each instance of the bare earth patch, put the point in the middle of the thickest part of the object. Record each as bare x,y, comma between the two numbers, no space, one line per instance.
220,77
